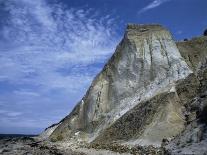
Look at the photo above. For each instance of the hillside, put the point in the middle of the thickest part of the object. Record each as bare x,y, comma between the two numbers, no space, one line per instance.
152,92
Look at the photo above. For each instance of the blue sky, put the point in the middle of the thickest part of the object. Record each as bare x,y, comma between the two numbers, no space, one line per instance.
50,50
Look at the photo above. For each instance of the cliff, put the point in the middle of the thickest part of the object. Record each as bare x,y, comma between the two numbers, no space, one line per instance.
143,94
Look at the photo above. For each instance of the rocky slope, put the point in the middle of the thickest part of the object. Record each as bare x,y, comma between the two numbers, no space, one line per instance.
151,92
146,63
193,139
30,146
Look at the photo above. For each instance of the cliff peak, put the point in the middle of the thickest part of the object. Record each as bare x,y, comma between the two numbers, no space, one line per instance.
138,82
139,27
140,31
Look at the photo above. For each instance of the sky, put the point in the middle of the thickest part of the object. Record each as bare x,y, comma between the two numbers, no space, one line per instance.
50,50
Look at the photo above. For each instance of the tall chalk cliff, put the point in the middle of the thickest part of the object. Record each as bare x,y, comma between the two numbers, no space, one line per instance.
133,100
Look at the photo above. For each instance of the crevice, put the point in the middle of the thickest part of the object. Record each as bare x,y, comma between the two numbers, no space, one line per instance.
151,58
163,48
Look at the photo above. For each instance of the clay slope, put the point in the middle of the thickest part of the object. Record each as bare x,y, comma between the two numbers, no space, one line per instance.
133,99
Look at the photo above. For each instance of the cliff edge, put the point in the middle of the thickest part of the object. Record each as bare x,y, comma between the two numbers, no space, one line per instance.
143,94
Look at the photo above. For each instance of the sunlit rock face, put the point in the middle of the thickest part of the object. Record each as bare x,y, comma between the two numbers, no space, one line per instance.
146,64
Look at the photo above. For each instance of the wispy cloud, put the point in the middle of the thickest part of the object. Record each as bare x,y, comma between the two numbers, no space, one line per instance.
152,5
49,53
179,32
26,93
10,113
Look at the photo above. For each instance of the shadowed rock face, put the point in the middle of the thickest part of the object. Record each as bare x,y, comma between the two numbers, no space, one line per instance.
146,63
194,52
193,139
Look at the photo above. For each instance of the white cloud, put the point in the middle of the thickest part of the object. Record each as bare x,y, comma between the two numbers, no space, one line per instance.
152,5
26,93
14,114
47,48
10,113
43,38
3,111
179,32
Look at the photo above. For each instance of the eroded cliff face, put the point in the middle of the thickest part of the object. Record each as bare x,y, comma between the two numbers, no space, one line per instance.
133,99
193,139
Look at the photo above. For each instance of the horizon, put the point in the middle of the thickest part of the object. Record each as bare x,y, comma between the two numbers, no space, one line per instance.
50,51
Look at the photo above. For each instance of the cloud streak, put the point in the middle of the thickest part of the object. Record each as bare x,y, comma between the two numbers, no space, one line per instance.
152,5
50,53
10,113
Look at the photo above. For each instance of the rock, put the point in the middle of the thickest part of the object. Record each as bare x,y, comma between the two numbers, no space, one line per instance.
150,98
193,139
146,63
48,131
29,146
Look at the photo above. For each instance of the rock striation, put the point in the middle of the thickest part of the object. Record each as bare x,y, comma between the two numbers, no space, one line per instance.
133,100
